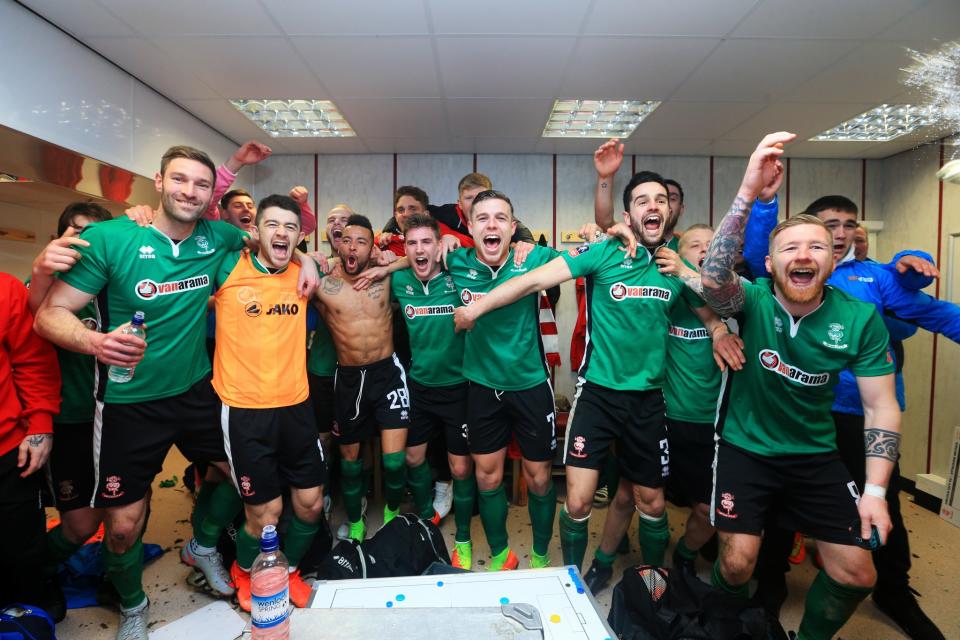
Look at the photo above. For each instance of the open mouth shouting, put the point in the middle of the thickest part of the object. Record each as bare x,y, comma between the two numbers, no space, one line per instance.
652,224
281,249
492,242
802,277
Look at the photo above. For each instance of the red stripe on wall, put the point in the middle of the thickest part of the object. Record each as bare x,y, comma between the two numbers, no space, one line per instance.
787,189
933,360
316,202
863,189
474,163
553,235
711,191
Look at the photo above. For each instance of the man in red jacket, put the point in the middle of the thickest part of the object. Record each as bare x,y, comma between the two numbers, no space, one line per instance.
29,396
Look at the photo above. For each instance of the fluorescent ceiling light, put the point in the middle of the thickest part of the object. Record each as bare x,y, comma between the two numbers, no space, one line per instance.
296,118
881,124
582,118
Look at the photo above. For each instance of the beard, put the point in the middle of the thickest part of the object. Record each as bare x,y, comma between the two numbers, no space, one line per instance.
178,212
800,295
358,267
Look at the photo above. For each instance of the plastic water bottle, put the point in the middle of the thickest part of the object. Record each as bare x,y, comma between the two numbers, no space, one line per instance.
270,588
124,374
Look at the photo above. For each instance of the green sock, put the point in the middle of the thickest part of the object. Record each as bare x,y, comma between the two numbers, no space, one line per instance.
298,539
573,538
223,507
717,580
248,548
464,495
493,515
420,480
828,607
125,571
202,502
684,551
351,478
58,550
654,537
542,510
394,479
603,558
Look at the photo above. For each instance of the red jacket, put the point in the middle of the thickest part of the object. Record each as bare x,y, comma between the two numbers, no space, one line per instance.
29,374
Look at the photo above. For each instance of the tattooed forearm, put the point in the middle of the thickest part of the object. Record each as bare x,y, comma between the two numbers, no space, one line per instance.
694,282
880,443
722,288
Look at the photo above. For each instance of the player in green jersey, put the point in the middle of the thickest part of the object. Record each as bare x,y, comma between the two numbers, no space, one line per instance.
619,396
777,438
165,270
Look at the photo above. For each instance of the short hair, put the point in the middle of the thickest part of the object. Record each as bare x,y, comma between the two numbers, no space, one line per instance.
416,193
693,227
230,195
421,221
357,220
795,221
490,194
671,181
863,227
74,209
183,151
639,178
840,203
474,180
280,201
341,207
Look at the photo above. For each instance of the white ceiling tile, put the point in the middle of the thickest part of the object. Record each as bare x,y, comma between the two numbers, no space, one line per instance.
420,144
507,16
849,19
936,21
655,17
229,121
498,118
673,147
694,120
501,145
634,68
760,70
384,67
324,145
188,17
309,17
736,148
804,119
398,118
82,18
262,68
150,64
806,149
507,67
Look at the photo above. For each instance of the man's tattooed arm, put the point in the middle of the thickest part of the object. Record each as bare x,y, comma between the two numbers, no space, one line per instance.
720,285
880,443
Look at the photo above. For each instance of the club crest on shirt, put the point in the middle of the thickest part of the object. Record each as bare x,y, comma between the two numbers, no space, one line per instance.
835,333
579,444
727,505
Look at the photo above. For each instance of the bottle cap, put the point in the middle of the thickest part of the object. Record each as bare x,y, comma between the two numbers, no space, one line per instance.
269,540
138,317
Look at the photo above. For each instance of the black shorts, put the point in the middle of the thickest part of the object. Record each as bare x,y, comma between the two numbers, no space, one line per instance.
272,448
634,420
692,450
131,441
813,494
436,408
370,397
72,473
493,415
321,396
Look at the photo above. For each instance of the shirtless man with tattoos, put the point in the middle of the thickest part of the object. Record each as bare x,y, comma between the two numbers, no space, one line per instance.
370,389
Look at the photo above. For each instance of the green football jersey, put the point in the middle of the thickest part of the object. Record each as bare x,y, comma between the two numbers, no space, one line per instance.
779,403
692,381
628,304
322,356
131,268
427,308
503,350
77,402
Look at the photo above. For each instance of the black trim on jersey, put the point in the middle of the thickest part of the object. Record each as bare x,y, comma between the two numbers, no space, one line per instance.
103,317
588,343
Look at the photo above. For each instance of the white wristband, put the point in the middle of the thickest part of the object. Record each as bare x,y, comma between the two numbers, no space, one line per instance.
875,490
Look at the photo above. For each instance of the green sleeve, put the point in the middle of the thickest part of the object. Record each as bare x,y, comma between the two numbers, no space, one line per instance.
231,236
227,265
690,296
92,272
587,258
873,358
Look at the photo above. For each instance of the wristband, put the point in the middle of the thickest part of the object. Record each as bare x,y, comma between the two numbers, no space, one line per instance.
875,490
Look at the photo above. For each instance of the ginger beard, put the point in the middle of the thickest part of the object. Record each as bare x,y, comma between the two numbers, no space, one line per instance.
423,251
801,263
355,247
279,233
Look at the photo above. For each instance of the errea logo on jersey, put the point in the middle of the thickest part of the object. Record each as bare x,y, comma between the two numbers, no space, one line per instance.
432,310
620,291
148,289
147,253
468,297
770,360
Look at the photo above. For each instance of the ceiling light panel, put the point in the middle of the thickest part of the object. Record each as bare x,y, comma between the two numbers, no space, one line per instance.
582,118
296,118
881,124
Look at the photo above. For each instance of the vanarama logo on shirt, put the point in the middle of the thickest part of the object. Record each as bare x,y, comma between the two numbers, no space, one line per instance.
430,310
771,361
468,297
620,291
147,289
689,334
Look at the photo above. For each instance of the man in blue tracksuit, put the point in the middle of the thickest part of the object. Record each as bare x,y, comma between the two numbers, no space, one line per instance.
894,290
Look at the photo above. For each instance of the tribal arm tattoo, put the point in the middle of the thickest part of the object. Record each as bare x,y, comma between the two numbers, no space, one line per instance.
880,443
721,286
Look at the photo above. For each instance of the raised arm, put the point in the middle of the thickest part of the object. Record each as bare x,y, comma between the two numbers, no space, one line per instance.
881,434
549,275
916,307
57,257
606,160
722,288
248,153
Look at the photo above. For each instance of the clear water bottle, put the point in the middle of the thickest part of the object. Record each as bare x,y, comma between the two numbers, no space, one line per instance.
270,590
124,374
